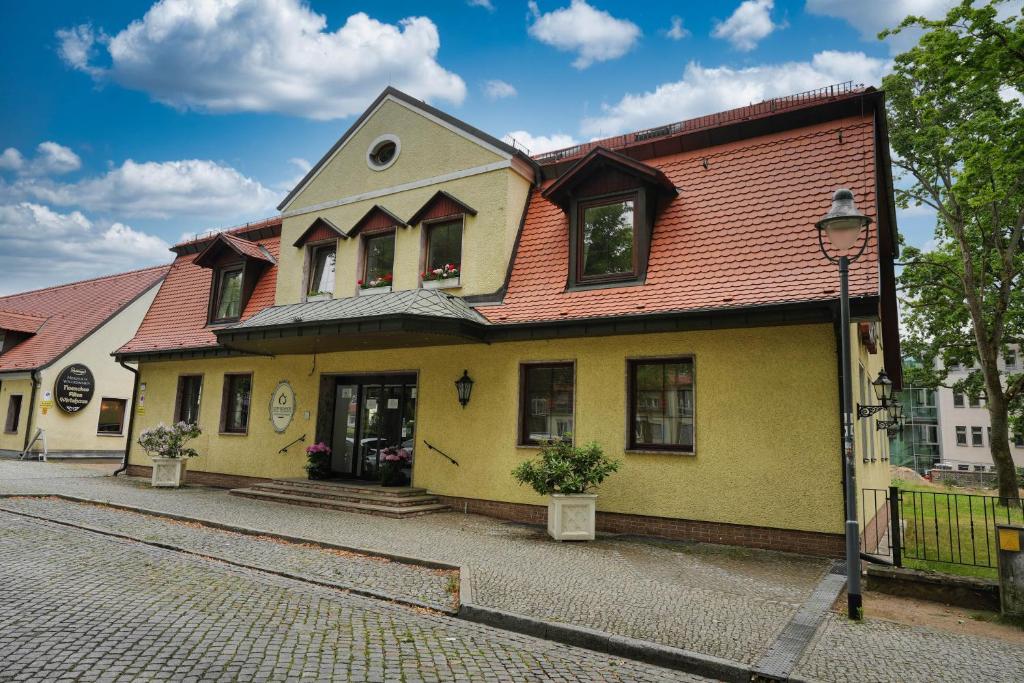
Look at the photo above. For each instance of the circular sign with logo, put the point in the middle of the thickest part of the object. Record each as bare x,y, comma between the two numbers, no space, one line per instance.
74,388
282,406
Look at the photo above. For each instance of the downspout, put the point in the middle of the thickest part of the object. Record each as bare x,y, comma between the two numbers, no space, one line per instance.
34,376
131,418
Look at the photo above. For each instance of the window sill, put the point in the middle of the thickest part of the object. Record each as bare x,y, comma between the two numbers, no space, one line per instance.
118,434
318,297
245,433
444,283
657,451
608,284
369,291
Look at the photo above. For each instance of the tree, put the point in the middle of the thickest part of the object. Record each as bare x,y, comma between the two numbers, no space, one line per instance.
957,133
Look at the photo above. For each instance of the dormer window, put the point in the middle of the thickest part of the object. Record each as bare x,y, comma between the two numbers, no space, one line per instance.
611,201
379,262
606,241
228,295
444,249
321,271
236,264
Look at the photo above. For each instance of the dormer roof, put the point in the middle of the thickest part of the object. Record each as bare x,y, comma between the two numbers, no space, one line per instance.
227,242
441,205
320,229
377,219
603,161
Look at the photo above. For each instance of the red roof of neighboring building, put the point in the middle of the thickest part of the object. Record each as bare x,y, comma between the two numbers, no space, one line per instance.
177,318
66,314
740,233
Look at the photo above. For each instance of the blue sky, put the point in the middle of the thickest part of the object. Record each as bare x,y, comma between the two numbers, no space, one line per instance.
127,125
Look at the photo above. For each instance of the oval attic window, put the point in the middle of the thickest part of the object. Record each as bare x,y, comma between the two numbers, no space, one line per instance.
383,152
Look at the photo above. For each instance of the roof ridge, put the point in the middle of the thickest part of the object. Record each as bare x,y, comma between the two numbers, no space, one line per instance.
109,276
234,230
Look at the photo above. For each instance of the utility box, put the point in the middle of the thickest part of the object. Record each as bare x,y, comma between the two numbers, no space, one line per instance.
1010,545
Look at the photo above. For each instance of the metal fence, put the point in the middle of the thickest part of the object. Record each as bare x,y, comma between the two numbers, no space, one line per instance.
929,529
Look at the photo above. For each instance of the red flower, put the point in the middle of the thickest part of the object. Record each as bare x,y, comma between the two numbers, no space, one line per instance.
388,277
359,282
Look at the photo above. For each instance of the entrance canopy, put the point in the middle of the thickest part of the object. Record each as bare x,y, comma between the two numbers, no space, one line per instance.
408,318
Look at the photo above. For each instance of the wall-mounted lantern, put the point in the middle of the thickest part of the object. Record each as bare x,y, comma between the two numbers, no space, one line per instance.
464,385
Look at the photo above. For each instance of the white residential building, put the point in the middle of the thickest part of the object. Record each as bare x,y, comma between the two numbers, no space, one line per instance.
964,423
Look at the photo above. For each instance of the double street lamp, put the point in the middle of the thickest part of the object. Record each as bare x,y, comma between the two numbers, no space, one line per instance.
843,226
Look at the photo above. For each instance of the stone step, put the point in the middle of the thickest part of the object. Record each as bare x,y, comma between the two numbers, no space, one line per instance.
353,487
395,512
347,494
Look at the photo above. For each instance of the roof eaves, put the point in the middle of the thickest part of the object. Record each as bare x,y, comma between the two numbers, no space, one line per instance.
418,216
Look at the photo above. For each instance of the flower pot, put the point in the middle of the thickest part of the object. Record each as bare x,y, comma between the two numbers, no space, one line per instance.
168,472
367,291
443,283
571,517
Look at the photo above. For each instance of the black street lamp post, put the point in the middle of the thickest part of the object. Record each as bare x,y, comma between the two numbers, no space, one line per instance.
843,226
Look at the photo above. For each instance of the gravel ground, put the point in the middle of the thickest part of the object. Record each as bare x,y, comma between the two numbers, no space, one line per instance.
142,613
432,587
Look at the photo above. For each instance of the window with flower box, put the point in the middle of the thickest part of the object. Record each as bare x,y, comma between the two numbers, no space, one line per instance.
379,261
443,252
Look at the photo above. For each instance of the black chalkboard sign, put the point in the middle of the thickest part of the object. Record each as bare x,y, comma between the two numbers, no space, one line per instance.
74,388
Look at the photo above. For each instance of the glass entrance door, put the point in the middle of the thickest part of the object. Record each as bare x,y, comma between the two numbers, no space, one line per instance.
372,413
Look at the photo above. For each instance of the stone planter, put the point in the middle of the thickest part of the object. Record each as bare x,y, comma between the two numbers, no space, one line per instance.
571,517
443,283
367,291
168,472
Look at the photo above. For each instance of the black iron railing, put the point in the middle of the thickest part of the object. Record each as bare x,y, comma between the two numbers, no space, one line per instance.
929,529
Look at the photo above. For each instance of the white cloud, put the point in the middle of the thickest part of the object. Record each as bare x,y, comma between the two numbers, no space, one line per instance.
11,160
676,30
496,90
537,144
264,56
872,16
50,159
595,35
748,25
191,187
705,90
486,4
81,247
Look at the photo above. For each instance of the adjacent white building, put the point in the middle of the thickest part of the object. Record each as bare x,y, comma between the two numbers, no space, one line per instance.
964,426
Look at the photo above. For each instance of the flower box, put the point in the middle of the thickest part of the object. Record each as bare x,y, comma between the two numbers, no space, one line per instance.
571,517
168,472
441,283
367,291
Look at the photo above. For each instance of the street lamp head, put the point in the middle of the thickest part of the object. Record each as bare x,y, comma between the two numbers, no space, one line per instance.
843,222
883,387
895,410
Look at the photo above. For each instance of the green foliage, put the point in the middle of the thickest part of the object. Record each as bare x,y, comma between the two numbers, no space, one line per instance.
957,133
169,442
318,461
564,468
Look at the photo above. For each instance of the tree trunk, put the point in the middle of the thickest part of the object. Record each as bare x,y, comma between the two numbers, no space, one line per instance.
999,445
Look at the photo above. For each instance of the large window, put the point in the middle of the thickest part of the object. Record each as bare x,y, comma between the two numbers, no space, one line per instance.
1011,358
977,438
958,399
112,412
13,414
321,271
606,240
444,246
661,403
380,259
190,392
228,295
546,402
961,435
235,405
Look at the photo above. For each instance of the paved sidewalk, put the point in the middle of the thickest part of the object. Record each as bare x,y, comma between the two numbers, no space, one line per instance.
85,607
726,602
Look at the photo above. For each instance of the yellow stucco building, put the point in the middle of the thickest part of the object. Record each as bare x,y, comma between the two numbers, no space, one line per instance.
659,293
61,391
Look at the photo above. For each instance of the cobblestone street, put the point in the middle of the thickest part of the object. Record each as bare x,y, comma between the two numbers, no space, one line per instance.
80,606
725,602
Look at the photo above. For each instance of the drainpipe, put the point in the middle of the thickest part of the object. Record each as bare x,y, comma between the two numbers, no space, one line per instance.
131,418
34,376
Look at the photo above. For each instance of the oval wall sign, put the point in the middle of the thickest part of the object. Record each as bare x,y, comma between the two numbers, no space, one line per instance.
282,406
74,388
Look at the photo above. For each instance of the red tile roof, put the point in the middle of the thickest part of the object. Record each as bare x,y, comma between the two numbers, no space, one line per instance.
67,314
177,318
740,233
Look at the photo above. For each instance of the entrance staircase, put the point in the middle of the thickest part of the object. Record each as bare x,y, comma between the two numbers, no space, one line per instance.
397,502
